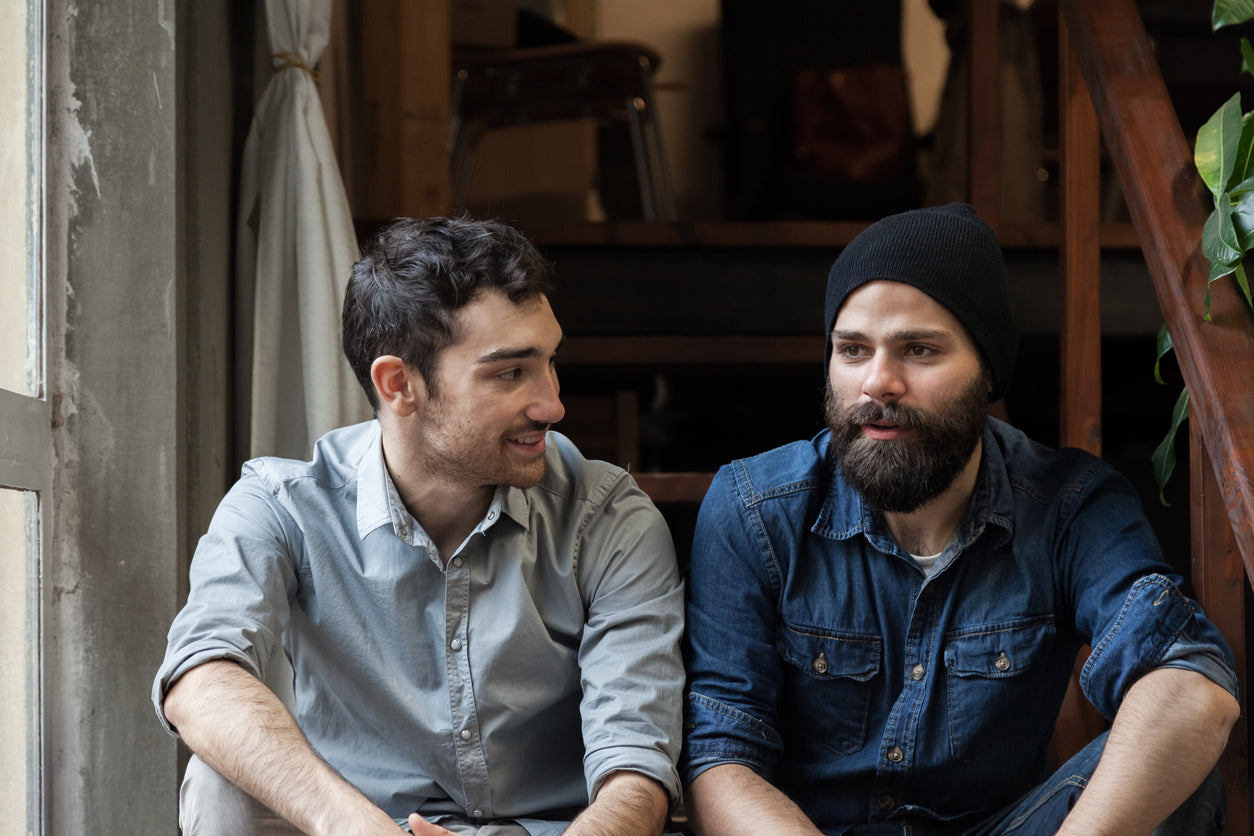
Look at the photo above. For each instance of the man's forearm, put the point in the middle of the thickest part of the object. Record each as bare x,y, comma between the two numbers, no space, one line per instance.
1167,736
628,804
732,799
242,730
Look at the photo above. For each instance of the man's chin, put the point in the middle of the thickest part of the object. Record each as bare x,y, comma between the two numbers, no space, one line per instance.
527,476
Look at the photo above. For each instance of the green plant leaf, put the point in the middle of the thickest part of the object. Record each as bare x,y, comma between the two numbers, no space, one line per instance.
1244,284
1164,348
1243,166
1247,56
1243,221
1217,141
1164,458
1228,12
1241,189
1219,239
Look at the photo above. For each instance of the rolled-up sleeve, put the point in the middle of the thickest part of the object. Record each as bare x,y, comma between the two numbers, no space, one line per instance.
629,654
734,669
1128,602
242,577
1156,627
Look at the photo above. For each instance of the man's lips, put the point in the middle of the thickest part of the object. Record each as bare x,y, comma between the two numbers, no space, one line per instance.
531,442
884,431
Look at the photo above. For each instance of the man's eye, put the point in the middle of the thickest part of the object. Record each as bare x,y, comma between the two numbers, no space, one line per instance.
850,351
921,351
511,374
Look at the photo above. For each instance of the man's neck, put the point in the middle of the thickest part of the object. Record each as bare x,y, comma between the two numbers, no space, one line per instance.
926,531
448,513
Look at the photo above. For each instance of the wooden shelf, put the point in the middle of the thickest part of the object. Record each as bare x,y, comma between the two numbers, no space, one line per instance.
667,488
706,351
756,234
775,234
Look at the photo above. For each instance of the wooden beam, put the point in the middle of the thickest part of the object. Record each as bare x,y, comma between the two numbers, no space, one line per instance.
1166,200
984,111
1219,585
1080,329
405,84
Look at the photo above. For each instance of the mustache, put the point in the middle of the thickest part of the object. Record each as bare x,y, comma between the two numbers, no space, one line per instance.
860,414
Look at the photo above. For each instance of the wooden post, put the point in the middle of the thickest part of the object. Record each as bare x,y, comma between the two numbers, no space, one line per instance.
984,111
1219,585
405,84
1080,331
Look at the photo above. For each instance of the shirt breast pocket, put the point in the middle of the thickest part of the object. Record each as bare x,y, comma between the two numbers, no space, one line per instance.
995,687
828,684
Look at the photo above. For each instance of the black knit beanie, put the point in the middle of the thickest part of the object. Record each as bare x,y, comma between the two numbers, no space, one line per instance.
951,255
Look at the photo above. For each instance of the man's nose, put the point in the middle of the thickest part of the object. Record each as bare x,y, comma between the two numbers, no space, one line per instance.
547,407
883,382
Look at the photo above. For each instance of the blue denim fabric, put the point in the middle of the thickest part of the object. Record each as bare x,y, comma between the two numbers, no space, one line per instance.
1042,811
822,657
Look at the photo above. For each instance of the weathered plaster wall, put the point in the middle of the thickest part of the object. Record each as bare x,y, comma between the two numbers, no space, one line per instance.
114,290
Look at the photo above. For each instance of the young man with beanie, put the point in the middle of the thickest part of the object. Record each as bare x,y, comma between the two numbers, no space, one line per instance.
882,621
482,625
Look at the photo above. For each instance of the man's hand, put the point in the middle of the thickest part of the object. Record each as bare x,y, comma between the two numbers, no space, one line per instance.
628,804
1167,736
422,827
242,730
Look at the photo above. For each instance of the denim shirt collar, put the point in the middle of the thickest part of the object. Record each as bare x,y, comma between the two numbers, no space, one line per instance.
845,513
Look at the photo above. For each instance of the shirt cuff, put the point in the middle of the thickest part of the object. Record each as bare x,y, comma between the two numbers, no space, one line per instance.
718,733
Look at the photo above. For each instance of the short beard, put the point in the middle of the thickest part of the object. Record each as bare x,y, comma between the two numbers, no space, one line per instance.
900,476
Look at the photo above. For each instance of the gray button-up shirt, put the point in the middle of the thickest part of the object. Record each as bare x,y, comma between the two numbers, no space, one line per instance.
507,683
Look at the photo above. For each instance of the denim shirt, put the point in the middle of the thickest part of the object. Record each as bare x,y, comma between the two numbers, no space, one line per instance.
506,683
821,656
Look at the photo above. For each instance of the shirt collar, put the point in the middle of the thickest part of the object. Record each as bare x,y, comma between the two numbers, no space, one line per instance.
379,503
844,513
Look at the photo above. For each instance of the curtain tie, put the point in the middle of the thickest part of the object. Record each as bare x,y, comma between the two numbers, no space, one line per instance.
290,60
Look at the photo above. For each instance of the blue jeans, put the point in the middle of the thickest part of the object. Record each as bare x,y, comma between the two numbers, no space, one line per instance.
1042,810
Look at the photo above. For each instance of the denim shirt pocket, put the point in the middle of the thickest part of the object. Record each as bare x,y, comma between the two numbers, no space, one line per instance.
993,683
829,679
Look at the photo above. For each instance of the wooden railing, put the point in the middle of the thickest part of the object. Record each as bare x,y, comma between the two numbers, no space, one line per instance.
1110,81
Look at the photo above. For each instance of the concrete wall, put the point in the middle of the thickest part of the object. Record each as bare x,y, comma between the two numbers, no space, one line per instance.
114,282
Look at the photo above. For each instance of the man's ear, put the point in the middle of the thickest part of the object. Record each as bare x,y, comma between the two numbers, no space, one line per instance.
399,387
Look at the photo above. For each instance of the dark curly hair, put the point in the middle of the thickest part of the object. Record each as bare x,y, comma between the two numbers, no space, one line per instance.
414,275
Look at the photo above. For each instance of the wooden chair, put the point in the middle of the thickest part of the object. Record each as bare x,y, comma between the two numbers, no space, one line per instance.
611,81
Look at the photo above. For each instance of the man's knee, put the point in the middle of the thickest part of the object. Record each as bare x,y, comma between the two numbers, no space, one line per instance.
210,805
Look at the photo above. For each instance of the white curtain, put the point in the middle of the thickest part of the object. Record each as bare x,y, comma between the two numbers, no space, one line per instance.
296,247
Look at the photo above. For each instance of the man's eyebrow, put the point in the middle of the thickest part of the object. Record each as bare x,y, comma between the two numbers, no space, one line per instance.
907,335
502,355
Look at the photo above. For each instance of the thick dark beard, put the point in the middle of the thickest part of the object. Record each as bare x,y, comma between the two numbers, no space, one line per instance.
901,476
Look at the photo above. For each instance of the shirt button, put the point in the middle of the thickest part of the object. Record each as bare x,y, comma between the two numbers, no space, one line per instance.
457,561
1003,662
916,673
820,664
491,515
478,814
465,734
885,802
896,755
456,644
